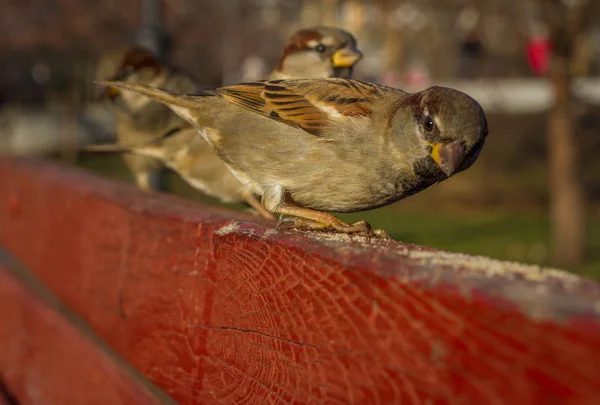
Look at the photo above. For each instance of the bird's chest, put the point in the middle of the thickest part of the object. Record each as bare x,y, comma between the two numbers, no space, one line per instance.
352,185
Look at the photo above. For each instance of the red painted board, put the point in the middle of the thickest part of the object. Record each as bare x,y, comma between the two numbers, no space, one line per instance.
216,307
48,358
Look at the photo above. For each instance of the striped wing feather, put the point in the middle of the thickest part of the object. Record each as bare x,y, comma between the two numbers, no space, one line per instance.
308,104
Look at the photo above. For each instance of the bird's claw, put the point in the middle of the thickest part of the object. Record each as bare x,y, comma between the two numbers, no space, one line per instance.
357,228
382,234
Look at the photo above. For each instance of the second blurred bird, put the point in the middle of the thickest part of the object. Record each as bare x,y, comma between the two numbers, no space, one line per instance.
151,134
139,119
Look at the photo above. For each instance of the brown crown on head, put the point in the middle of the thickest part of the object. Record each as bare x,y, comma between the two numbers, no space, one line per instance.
118,64
138,58
298,42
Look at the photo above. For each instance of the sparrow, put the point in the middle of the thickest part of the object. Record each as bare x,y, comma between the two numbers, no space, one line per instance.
318,52
310,147
139,119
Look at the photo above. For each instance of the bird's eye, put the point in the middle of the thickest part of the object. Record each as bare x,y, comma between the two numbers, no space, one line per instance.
320,48
428,123
124,73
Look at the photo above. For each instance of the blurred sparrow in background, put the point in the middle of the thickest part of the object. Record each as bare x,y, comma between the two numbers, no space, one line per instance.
317,145
318,52
139,119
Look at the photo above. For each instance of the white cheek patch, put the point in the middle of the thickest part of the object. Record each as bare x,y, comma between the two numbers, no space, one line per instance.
328,41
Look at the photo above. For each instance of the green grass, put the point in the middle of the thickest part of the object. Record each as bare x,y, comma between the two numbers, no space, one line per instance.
507,236
503,235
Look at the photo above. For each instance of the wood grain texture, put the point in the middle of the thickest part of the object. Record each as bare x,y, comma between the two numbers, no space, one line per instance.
46,359
215,307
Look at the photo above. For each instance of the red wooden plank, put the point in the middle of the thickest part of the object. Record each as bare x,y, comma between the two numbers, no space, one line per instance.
46,358
217,308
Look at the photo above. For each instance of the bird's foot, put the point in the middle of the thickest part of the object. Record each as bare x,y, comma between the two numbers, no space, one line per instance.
361,228
358,228
294,223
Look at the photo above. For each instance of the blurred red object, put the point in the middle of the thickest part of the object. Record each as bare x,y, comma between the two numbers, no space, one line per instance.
416,79
538,54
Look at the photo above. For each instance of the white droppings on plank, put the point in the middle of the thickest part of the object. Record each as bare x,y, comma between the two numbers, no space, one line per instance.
227,229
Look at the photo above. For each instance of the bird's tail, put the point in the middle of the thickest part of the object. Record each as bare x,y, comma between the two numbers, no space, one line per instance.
173,100
181,104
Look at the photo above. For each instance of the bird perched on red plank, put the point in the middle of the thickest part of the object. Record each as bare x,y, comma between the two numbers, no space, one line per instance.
314,146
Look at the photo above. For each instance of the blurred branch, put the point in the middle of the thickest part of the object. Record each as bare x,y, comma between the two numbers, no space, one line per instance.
566,20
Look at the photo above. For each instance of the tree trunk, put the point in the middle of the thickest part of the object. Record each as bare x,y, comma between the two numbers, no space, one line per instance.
567,209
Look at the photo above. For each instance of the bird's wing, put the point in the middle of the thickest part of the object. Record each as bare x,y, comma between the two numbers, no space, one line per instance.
308,104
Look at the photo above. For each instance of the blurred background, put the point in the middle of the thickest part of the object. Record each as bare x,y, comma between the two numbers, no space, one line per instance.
534,65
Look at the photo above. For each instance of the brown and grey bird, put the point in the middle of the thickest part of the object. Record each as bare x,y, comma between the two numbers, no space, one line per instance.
318,52
314,146
139,119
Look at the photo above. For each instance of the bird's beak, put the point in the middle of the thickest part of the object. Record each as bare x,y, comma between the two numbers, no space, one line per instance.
448,156
102,92
112,92
346,57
